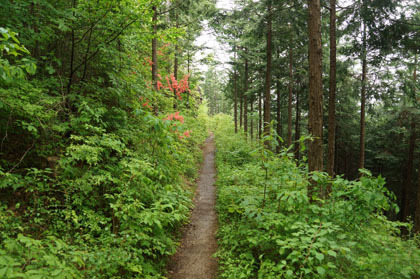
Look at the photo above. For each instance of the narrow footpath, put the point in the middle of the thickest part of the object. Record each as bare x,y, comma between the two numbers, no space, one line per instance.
193,259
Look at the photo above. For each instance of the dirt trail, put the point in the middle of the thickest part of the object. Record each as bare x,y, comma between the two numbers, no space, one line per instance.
194,257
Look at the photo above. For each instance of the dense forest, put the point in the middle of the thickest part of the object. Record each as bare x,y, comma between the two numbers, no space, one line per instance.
349,79
105,109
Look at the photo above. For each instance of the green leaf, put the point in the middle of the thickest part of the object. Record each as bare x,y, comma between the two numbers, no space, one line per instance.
319,256
320,270
332,253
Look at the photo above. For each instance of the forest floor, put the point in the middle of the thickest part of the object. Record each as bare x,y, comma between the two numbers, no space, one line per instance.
194,257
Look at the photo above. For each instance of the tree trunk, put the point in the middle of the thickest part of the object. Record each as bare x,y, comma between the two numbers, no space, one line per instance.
176,47
176,56
278,110
332,92
363,100
405,201
417,213
268,76
235,93
240,110
289,105
154,49
245,112
417,216
73,46
315,154
297,127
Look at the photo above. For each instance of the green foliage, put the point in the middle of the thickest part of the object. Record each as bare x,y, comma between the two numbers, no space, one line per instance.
94,181
283,235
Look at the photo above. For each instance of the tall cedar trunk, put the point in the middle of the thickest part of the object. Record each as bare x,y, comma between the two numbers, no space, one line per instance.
278,110
154,49
268,77
297,127
405,201
315,155
363,100
332,92
245,112
235,93
289,104
417,213
259,115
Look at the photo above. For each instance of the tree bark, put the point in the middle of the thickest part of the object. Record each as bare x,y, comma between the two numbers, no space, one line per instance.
267,92
235,108
315,153
240,109
405,201
297,127
278,110
417,214
245,108
154,48
176,50
363,100
289,104
332,91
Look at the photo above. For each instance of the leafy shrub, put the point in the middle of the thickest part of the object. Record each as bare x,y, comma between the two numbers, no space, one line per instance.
269,229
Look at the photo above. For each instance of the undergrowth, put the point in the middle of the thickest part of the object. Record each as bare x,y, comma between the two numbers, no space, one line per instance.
269,229
112,205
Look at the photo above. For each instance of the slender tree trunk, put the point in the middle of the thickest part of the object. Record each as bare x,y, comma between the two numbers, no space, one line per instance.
405,202
315,153
417,213
154,48
267,97
278,110
417,216
332,92
363,100
241,102
289,104
73,46
176,50
415,67
176,69
297,127
245,112
235,92
259,115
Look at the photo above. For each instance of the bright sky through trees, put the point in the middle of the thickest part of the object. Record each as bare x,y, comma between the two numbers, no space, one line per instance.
213,47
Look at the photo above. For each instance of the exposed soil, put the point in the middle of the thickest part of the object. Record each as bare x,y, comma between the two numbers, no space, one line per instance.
193,259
